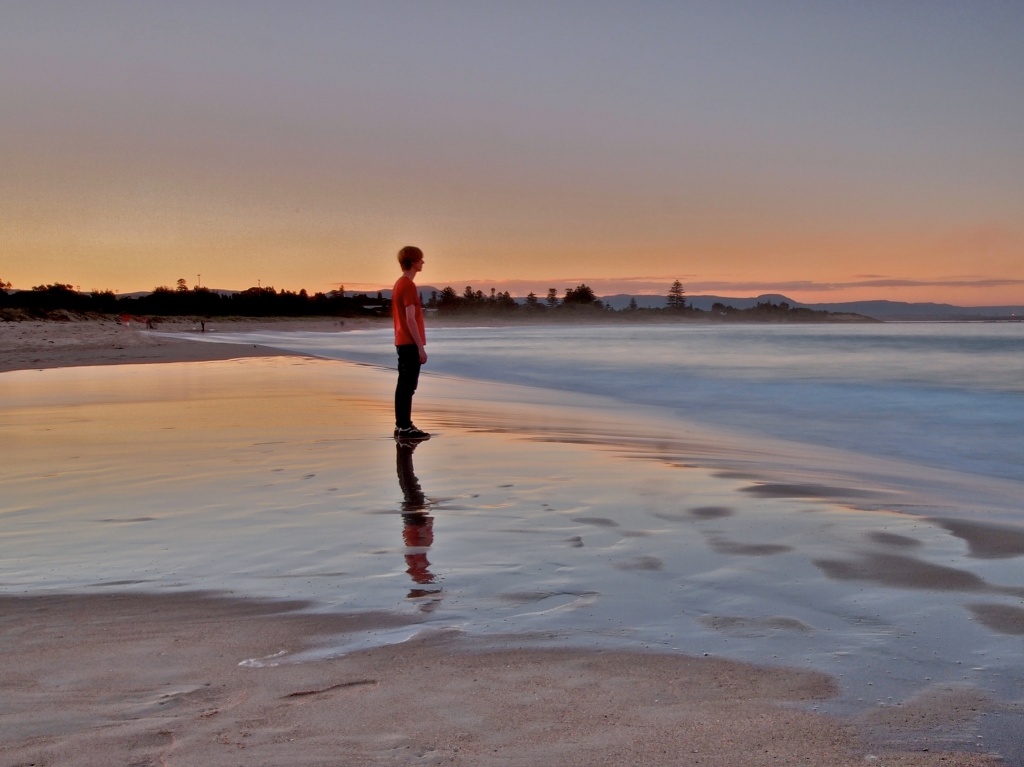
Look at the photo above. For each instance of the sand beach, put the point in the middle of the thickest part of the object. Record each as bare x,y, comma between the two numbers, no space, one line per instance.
225,559
34,344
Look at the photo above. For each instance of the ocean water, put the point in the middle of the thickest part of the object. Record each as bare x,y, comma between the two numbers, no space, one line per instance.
941,395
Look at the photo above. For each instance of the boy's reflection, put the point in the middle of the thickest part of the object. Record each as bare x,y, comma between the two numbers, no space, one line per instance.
418,526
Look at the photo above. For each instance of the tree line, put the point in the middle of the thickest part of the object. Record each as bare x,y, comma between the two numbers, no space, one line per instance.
579,299
197,301
45,300
266,301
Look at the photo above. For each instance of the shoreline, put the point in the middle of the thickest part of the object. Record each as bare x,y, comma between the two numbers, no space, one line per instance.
185,700
34,344
43,344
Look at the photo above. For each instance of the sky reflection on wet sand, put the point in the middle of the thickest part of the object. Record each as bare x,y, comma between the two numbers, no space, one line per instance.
531,520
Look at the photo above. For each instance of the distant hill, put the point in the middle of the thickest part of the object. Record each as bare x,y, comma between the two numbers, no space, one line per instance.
144,293
889,311
423,290
892,311
880,310
621,301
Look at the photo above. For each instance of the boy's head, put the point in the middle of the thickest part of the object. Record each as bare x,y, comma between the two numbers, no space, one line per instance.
408,256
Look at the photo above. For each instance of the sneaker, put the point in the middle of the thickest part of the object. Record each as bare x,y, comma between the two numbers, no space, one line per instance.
411,432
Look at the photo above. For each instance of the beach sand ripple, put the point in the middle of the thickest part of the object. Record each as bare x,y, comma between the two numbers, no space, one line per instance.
146,679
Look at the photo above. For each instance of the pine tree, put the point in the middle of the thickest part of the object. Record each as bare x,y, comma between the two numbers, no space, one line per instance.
581,294
676,299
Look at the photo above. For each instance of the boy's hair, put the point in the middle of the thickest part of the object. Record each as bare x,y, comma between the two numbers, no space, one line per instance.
408,256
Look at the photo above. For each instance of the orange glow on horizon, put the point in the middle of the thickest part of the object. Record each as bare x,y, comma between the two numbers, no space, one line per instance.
793,158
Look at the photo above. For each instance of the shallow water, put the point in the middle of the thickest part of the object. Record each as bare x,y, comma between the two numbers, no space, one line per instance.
533,517
944,395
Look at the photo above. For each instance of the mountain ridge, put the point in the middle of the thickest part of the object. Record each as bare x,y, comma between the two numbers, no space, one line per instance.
878,309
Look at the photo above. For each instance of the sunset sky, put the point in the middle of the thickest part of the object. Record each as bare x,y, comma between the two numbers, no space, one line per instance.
830,151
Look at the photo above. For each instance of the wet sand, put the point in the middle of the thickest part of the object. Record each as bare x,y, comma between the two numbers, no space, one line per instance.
148,679
114,656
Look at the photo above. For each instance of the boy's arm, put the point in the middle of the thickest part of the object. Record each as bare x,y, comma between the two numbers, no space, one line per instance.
414,331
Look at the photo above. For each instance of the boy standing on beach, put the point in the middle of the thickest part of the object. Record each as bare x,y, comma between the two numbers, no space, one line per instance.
410,340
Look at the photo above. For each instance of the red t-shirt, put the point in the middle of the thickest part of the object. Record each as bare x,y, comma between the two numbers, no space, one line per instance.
405,294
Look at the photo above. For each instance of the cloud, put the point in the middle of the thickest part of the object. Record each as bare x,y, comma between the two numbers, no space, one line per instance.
875,281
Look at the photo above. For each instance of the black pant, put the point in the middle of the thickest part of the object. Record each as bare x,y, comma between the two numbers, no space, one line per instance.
408,379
